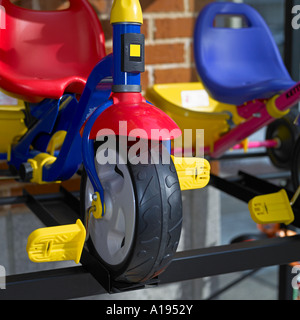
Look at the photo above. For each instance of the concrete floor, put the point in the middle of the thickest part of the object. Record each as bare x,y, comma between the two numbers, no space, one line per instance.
236,221
263,285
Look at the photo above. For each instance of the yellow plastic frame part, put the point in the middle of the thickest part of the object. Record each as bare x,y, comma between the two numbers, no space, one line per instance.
62,243
56,141
126,11
37,164
272,109
135,50
213,118
12,126
271,208
193,173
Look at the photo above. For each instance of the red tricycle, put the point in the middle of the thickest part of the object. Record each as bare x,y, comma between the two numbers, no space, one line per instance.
76,108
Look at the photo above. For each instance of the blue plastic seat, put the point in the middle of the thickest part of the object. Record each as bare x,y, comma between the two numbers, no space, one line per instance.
238,65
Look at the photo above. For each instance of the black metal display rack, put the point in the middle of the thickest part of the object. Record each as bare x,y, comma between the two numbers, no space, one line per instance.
91,278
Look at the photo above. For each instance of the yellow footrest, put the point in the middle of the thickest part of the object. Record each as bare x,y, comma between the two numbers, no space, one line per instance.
271,208
60,243
193,173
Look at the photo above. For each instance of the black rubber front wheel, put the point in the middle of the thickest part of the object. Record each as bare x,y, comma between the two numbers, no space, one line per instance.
140,231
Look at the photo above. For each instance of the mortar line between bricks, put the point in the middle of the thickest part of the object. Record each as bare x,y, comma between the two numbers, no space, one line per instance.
164,66
176,40
170,15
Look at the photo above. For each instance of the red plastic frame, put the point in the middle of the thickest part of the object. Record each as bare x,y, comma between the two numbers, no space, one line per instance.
129,112
46,53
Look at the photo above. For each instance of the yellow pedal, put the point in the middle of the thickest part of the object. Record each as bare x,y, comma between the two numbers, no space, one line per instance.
271,208
193,173
60,243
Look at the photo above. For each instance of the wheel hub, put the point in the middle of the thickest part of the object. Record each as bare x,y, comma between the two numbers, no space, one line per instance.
112,235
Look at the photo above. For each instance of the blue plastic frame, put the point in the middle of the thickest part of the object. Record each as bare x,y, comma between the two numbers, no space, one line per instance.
75,116
120,77
64,114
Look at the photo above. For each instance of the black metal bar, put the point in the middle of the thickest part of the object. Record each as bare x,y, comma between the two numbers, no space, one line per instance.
97,270
185,265
102,275
77,282
39,197
40,211
262,186
89,262
7,173
240,156
259,185
233,187
232,258
285,175
285,290
245,187
53,211
71,200
12,200
57,284
66,283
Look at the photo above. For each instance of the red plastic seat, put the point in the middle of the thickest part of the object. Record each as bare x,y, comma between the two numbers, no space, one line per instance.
46,53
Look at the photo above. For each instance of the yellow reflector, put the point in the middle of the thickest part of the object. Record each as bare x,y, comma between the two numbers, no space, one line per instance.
60,243
135,50
193,173
271,208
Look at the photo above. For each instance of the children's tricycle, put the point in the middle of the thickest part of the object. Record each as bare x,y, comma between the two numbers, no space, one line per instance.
244,86
84,109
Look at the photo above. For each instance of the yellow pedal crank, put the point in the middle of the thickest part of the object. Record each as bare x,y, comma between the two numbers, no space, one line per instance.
37,164
193,173
272,208
60,243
